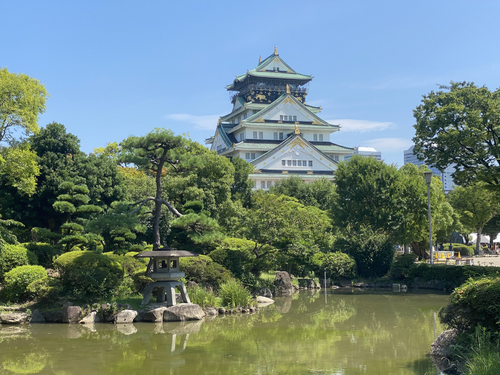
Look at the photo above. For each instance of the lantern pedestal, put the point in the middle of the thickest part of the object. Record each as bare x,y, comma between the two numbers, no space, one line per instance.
165,289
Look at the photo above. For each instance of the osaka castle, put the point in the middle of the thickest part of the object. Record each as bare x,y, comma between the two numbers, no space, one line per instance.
271,126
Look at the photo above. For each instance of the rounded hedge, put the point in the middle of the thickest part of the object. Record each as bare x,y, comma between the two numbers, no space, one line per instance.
17,280
12,256
45,289
235,255
87,275
475,303
403,266
464,250
203,270
44,252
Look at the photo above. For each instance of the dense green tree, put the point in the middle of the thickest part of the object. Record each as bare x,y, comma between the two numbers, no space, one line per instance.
492,228
461,126
241,189
320,193
22,100
60,160
476,205
286,230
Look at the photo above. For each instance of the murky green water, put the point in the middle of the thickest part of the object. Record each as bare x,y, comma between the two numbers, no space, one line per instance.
351,333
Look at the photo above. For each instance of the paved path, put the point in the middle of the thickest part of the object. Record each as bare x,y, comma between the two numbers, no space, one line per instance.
487,261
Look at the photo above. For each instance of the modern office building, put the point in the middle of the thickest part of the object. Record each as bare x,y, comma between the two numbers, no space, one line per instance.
272,127
365,151
446,179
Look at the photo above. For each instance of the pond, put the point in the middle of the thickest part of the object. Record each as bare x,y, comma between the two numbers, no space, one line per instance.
345,332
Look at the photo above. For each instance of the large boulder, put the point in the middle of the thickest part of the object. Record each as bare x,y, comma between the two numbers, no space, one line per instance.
72,314
182,312
91,318
14,318
283,284
125,316
154,315
440,352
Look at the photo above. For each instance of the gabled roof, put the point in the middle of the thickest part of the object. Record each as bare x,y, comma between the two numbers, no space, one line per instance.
260,116
264,70
227,138
294,138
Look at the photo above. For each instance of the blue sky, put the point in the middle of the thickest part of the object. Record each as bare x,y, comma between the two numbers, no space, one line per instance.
120,68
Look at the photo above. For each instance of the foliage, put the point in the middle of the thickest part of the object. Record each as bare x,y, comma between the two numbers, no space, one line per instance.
450,276
44,290
285,229
476,205
203,270
44,252
337,265
402,266
460,127
18,168
203,297
87,275
6,236
372,250
483,354
241,189
235,254
234,294
22,100
464,250
474,304
12,256
320,193
17,280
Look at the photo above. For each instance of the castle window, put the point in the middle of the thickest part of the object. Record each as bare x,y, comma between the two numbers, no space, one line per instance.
283,163
247,155
275,134
299,163
263,184
269,184
294,118
310,163
286,118
281,117
321,137
315,137
289,163
254,135
261,135
280,135
294,163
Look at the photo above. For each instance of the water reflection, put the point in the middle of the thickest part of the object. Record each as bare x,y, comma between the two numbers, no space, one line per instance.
353,333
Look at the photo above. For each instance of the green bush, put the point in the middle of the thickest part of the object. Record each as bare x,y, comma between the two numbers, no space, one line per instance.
474,304
44,290
203,270
234,294
87,275
450,276
12,256
235,255
338,265
44,252
17,280
372,250
464,250
482,355
402,266
133,267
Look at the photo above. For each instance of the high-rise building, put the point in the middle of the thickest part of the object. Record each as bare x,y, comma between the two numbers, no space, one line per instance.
365,151
273,128
445,176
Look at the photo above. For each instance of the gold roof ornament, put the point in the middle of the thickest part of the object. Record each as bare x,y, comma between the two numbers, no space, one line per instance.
219,122
275,50
297,131
260,59
287,89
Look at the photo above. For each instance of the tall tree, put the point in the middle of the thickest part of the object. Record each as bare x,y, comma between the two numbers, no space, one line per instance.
153,152
461,126
476,206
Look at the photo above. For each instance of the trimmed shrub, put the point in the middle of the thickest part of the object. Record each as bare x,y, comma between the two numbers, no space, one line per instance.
203,270
464,250
476,303
45,289
12,256
234,294
87,275
17,280
450,276
338,265
402,266
131,266
234,254
44,252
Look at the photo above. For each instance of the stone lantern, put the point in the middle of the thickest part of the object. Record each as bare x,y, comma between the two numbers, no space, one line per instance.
165,274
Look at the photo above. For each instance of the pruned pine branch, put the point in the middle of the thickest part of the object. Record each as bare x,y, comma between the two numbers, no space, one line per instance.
162,201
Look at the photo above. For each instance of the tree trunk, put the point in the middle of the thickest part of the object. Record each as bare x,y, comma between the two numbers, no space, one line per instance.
478,239
156,224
